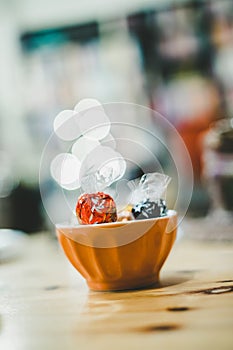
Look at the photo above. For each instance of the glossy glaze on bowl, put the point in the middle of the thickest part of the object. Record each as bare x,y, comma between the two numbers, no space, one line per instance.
133,265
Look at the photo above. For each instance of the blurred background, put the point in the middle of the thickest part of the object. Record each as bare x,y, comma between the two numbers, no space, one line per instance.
175,57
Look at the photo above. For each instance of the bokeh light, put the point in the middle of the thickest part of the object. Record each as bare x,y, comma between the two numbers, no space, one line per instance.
65,169
65,125
83,146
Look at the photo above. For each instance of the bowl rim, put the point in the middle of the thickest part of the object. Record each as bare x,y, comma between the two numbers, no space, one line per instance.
170,213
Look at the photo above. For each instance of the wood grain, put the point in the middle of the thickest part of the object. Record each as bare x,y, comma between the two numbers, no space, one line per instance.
45,303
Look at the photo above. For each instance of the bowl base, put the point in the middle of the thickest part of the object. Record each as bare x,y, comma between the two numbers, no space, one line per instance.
123,285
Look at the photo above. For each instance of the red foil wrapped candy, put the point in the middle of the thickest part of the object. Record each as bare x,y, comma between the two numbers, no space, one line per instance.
96,208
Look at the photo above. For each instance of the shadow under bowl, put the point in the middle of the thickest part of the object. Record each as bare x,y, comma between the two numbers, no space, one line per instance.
120,255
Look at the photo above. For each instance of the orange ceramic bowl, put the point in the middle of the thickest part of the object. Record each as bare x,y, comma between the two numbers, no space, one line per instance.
120,255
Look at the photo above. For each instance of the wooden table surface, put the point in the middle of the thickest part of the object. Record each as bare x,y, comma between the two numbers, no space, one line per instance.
45,304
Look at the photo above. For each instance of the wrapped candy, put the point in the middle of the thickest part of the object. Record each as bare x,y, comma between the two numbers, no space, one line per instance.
147,201
96,208
101,168
125,214
148,196
149,209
